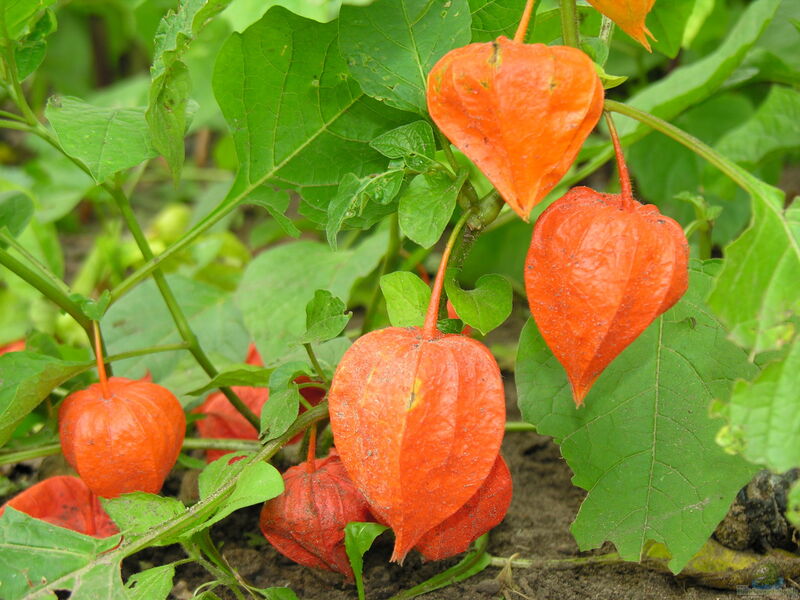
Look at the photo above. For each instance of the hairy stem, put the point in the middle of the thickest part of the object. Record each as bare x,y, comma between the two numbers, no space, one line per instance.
569,24
522,28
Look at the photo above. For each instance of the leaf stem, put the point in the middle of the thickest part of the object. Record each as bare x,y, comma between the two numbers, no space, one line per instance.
49,289
8,457
569,24
432,316
738,175
43,270
391,251
314,363
557,563
522,28
448,151
178,317
519,426
101,366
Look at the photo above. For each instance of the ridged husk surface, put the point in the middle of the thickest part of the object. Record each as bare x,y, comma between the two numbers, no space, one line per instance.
418,423
520,112
125,443
484,511
630,15
599,270
306,523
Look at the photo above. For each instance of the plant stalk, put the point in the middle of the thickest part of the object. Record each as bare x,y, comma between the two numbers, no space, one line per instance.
569,24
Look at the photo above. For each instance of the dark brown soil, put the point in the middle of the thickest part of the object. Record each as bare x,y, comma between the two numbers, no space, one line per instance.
537,527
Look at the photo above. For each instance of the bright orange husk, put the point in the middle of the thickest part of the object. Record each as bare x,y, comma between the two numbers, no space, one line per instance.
630,15
65,501
418,417
520,112
484,511
124,442
600,269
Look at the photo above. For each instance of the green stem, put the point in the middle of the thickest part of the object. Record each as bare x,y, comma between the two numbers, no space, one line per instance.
704,241
569,24
180,320
145,351
738,175
314,363
448,151
606,31
10,115
391,251
519,426
43,270
557,563
47,288
9,458
8,124
15,456
194,550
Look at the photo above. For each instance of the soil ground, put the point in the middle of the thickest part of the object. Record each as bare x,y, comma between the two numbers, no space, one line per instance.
537,527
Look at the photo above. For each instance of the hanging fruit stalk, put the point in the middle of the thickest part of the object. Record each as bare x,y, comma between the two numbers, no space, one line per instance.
600,269
121,435
519,111
418,419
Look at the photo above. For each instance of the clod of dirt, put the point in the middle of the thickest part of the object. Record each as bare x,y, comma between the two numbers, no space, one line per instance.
756,520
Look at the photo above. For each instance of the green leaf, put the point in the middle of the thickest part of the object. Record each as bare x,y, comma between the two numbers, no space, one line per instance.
170,83
772,130
141,319
412,142
360,202
284,279
279,413
137,512
667,22
358,538
94,309
475,561
106,140
257,482
31,50
427,205
244,375
278,593
764,414
37,556
152,584
309,110
16,211
17,15
326,317
691,84
25,380
493,18
391,46
643,445
487,306
275,202
756,292
407,298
